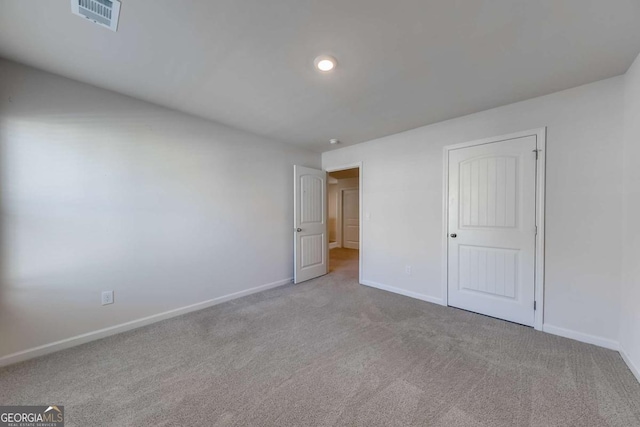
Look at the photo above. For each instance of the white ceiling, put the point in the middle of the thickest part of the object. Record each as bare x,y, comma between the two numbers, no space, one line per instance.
402,63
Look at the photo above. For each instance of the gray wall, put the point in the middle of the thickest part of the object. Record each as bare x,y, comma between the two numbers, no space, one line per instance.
100,191
630,318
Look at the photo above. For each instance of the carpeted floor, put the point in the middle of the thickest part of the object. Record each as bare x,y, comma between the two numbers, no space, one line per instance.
331,352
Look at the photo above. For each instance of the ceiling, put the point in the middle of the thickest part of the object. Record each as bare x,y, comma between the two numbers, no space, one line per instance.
401,64
345,174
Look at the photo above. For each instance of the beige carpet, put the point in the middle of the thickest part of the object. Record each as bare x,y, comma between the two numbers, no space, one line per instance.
331,352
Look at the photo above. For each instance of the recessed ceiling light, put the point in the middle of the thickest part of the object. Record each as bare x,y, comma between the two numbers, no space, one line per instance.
333,141
325,63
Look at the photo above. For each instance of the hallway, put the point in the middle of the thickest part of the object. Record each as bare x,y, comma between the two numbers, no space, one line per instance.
344,262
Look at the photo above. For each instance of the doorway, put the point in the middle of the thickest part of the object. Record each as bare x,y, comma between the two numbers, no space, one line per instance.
350,213
494,225
344,220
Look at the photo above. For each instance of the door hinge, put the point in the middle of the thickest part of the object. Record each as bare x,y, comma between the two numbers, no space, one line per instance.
536,230
536,151
535,305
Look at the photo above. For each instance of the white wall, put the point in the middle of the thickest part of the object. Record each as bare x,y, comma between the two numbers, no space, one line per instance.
402,192
100,191
630,313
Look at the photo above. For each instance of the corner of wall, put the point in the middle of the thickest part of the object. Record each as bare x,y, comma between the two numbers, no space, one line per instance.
630,277
635,370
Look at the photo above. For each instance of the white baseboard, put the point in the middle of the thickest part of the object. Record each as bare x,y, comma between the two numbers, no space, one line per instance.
635,370
333,245
400,291
554,330
582,337
123,327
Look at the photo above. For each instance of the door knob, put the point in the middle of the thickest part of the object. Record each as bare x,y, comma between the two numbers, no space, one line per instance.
298,229
453,235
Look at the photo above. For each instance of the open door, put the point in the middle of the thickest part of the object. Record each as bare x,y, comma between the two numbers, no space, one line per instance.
309,223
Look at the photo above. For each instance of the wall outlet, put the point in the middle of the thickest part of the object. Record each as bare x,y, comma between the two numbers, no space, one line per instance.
107,297
407,269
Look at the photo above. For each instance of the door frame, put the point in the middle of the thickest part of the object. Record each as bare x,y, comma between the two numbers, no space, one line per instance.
541,143
340,216
358,165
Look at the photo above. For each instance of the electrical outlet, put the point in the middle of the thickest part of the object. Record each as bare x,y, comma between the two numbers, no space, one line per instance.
107,297
407,269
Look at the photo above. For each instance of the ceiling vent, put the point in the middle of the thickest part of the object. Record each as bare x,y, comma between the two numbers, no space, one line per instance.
102,12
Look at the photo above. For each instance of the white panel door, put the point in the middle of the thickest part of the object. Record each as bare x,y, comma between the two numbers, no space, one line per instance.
310,223
351,219
492,229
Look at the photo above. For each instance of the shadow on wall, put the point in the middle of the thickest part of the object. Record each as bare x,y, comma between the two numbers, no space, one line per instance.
85,209
102,192
332,229
9,312
3,218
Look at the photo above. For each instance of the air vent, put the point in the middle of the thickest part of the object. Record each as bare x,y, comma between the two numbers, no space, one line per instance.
102,12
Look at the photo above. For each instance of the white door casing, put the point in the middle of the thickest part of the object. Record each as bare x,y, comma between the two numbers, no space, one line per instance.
309,223
492,228
351,218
